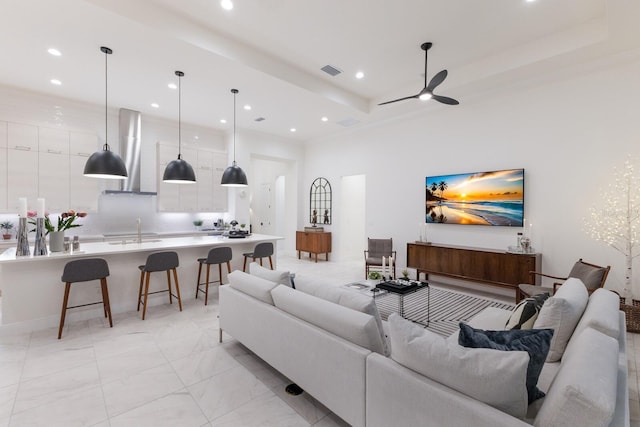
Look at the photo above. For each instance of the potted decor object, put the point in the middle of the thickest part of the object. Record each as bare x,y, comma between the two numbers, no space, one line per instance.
198,223
66,220
6,227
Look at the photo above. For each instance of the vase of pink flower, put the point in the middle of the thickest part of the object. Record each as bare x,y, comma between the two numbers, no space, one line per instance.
66,220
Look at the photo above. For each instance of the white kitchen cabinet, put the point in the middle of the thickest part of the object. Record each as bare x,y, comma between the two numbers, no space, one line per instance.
83,192
168,194
83,144
3,134
22,177
53,141
220,193
204,181
53,181
189,192
3,166
22,137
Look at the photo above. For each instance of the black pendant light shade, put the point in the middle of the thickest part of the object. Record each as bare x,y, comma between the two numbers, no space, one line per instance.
234,176
105,164
179,171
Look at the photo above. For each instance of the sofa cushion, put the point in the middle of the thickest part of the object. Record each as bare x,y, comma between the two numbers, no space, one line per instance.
279,277
534,341
562,313
252,285
352,325
584,390
526,312
355,301
601,313
497,378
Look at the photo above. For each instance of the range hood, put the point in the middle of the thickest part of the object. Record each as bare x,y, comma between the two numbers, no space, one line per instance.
130,134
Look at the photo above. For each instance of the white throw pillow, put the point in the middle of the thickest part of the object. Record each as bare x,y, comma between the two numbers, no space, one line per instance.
279,277
584,391
352,325
562,312
497,378
252,285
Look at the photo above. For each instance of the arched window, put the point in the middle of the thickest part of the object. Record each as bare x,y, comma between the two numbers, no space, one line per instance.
320,202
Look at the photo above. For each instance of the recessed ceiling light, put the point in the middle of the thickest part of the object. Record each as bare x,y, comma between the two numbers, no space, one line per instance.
196,137
154,105
54,52
530,1
247,107
226,4
56,82
359,75
292,129
172,86
223,121
324,119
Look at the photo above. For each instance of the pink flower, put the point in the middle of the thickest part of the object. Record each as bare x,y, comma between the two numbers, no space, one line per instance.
32,214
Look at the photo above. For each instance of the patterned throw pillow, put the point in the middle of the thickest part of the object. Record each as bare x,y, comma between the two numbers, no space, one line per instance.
536,342
526,312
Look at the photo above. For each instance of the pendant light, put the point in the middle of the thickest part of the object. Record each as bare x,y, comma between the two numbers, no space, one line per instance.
105,163
179,171
234,176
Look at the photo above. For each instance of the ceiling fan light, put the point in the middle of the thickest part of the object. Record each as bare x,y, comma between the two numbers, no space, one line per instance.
425,96
179,172
105,164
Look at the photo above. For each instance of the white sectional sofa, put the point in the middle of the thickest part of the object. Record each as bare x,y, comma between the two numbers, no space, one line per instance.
329,341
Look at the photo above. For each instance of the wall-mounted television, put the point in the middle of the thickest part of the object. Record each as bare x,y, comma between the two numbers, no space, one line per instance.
480,198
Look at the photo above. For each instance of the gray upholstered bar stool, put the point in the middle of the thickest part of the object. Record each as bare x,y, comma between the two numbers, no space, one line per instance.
85,270
262,250
159,261
217,256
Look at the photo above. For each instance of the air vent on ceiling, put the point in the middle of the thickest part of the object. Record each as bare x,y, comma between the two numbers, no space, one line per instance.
348,122
331,70
260,119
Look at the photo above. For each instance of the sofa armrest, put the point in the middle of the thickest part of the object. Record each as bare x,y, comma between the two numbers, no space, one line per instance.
398,396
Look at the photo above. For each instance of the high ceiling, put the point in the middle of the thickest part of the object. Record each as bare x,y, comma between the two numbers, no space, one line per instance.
272,51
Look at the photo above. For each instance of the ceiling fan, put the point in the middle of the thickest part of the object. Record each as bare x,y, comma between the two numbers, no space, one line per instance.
427,92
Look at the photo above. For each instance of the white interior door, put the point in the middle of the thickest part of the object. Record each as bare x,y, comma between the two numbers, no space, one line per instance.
264,210
352,217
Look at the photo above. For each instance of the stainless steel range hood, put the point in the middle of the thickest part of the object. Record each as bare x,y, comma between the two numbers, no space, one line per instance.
130,134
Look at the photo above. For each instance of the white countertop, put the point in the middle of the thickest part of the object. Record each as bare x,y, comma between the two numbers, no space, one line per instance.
149,243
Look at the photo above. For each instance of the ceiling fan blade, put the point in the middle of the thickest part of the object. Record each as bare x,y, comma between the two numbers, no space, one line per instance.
399,99
445,100
437,79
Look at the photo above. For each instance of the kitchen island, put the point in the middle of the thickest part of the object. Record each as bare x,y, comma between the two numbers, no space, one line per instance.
32,290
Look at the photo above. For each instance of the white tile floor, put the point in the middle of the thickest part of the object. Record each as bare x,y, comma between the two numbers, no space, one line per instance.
167,370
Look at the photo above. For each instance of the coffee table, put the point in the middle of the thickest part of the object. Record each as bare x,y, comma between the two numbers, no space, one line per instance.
410,298
409,302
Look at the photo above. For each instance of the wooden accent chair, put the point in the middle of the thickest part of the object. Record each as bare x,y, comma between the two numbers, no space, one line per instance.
593,276
378,248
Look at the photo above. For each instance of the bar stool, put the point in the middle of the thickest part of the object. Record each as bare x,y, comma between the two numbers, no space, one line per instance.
159,261
262,250
85,270
216,256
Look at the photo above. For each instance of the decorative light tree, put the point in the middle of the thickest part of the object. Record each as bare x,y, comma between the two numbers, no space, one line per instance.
615,218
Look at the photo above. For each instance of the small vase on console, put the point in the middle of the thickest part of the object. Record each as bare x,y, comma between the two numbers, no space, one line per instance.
56,241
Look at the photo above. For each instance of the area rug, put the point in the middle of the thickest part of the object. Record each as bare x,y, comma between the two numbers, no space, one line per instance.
447,308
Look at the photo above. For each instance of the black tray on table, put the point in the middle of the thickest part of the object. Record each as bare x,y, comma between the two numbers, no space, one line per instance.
397,287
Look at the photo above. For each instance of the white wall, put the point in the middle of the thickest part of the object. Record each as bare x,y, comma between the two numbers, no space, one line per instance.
568,134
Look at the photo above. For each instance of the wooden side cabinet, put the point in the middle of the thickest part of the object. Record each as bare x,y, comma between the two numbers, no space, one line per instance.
314,242
485,266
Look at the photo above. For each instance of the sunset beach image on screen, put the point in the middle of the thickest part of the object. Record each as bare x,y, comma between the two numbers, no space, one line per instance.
481,198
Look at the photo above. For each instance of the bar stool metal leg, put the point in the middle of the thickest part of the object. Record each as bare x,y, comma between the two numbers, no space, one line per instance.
169,284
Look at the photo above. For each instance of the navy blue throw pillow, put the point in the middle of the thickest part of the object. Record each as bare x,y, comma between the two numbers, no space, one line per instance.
536,342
